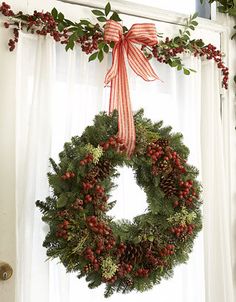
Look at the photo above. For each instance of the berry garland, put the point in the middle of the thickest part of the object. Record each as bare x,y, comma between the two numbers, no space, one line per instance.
124,255
90,37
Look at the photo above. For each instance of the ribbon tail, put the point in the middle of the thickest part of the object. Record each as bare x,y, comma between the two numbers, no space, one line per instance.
140,64
120,100
112,72
126,121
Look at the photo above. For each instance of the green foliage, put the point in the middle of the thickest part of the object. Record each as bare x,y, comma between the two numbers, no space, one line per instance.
72,239
225,7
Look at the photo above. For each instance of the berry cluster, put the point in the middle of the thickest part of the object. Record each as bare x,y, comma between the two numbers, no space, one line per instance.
185,187
87,186
124,269
182,229
186,193
63,213
97,227
68,175
167,50
89,44
154,261
167,251
155,151
114,143
87,160
62,230
5,9
105,245
89,255
211,53
12,42
164,54
78,204
174,156
121,249
142,272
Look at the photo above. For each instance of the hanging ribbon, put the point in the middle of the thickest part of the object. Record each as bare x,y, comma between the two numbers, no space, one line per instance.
144,34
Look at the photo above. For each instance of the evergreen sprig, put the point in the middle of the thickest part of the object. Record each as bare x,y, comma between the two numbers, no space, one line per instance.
125,255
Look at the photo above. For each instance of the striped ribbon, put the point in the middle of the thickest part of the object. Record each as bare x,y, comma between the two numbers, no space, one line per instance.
144,34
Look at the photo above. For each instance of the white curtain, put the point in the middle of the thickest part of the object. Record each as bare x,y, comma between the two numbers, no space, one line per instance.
216,188
58,94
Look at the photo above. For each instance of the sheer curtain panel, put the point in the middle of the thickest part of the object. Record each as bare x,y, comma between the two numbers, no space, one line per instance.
58,94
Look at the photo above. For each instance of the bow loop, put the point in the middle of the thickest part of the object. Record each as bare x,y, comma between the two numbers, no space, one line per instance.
144,33
113,31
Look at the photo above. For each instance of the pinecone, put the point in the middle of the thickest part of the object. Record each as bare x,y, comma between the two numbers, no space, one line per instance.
164,167
129,282
133,254
100,171
168,185
163,142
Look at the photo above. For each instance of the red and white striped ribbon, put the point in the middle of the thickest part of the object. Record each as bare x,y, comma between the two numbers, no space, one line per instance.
144,34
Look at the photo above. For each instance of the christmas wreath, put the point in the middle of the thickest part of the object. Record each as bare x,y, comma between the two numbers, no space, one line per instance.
124,255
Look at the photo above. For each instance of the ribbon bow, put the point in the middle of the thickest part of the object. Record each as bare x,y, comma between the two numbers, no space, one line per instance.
144,34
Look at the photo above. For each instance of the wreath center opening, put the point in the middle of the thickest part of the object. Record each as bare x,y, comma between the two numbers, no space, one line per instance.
129,197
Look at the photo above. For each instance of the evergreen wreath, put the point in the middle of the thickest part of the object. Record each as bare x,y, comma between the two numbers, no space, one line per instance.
124,255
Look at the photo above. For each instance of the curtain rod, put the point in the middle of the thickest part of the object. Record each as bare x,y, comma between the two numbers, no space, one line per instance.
143,11
147,12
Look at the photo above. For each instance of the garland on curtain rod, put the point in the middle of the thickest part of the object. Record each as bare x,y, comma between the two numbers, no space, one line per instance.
91,37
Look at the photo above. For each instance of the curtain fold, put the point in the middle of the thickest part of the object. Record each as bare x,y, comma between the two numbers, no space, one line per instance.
58,94
216,191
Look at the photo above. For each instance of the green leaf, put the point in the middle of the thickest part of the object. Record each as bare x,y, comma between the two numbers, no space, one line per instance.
97,12
150,238
199,43
195,15
179,67
186,71
106,48
107,8
69,23
100,56
70,45
125,29
101,45
62,201
60,17
194,23
101,19
112,44
74,36
235,79
232,12
175,63
93,56
222,9
233,36
115,17
85,22
54,13
187,32
61,26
